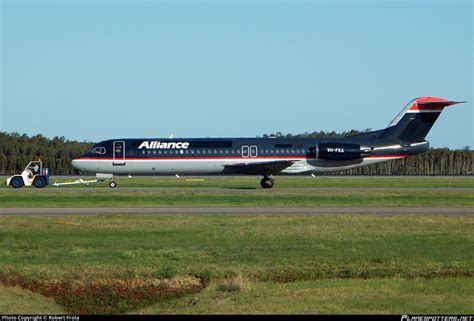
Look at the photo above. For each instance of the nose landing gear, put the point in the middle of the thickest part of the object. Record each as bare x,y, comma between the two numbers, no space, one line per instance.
267,182
112,184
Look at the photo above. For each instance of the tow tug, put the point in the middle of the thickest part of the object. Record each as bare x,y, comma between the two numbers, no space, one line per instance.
34,174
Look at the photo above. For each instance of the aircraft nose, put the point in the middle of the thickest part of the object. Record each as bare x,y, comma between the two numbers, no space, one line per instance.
76,163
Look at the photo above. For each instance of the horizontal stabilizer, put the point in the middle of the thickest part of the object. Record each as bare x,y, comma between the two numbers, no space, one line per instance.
438,104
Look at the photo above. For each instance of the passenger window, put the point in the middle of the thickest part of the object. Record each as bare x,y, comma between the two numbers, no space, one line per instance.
245,151
253,151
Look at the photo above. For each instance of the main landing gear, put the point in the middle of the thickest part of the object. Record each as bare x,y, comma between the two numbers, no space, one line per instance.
267,182
112,184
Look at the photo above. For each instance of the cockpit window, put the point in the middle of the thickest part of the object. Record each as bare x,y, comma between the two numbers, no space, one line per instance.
98,150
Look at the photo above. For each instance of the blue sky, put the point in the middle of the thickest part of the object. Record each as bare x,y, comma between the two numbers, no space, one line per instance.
91,70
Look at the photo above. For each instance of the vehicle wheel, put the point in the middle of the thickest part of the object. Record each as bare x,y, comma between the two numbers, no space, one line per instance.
112,184
267,182
17,182
39,182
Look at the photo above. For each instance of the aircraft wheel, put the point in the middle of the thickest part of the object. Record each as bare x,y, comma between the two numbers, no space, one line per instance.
267,182
112,184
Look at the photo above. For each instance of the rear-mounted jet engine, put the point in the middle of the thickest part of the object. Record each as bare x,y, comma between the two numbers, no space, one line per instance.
340,151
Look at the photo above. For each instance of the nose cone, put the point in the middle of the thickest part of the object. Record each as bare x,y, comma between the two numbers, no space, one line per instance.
76,163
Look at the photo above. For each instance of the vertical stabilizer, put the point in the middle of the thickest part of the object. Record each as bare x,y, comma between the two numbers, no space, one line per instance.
416,120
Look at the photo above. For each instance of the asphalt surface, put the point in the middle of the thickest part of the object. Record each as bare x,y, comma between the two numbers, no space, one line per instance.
241,211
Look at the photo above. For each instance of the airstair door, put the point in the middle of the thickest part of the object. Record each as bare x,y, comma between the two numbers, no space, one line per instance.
119,153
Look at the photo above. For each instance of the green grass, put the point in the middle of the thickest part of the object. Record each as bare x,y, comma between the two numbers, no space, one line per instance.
15,300
190,198
288,264
241,191
275,253
268,248
285,182
375,296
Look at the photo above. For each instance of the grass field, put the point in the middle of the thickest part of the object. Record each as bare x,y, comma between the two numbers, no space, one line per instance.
231,191
15,300
406,264
343,296
215,264
243,198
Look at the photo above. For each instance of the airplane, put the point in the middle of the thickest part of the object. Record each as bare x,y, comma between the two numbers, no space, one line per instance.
267,157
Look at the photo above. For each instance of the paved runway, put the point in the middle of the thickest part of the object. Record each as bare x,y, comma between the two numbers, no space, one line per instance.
242,211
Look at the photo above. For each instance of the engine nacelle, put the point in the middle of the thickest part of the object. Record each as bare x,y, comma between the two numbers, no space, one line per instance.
339,151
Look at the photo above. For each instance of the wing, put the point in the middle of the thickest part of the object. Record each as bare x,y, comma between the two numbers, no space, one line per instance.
258,168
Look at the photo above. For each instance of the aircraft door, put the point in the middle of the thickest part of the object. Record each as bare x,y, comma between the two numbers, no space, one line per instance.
119,153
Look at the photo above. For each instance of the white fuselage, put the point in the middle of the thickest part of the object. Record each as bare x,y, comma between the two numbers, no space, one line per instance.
210,166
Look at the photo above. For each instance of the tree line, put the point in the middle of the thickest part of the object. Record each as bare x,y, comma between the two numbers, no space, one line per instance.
17,150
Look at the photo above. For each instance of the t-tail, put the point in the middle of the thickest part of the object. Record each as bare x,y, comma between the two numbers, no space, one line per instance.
415,120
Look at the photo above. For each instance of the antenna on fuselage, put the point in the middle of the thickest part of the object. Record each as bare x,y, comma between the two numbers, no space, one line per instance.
171,136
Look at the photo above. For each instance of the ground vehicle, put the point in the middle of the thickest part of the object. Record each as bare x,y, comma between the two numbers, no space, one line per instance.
34,174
